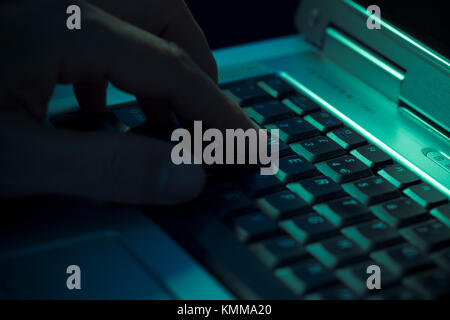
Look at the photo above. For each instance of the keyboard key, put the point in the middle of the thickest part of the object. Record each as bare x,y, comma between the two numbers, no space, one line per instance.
294,129
402,259
268,112
323,121
336,252
306,276
301,105
257,184
282,205
316,189
355,277
308,228
343,212
344,169
276,87
430,284
232,203
399,176
131,117
283,148
442,213
278,251
254,226
425,195
371,190
400,212
294,168
372,235
347,138
372,156
246,93
427,236
318,149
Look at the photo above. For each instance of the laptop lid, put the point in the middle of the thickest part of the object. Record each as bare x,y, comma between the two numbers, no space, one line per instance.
412,70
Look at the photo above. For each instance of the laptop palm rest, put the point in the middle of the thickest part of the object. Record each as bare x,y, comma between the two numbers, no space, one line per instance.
121,253
106,267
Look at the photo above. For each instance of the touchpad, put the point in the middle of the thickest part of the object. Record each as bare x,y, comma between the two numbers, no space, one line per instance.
98,266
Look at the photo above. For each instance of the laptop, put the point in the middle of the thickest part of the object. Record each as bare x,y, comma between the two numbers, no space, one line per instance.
363,181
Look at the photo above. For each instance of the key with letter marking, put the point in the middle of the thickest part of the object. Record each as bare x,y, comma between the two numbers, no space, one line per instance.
278,251
400,212
294,129
267,112
344,169
402,259
323,121
372,156
425,195
308,228
246,93
355,276
373,234
399,176
317,149
306,276
430,235
254,226
336,252
342,212
372,190
276,87
347,138
282,205
442,213
316,189
294,168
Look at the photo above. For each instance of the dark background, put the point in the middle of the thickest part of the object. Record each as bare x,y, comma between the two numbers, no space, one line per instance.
231,22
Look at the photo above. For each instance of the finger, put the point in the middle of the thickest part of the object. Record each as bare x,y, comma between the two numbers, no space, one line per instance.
123,168
149,67
185,32
158,113
91,96
169,19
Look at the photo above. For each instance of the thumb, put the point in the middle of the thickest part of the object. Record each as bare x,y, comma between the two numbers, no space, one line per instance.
106,166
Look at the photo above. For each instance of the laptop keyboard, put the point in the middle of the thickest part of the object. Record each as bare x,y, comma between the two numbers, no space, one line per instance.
337,204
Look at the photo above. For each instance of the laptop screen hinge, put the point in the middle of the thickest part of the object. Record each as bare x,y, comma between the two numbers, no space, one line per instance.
363,62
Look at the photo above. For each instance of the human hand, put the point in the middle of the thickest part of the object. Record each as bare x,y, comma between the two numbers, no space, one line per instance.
152,49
